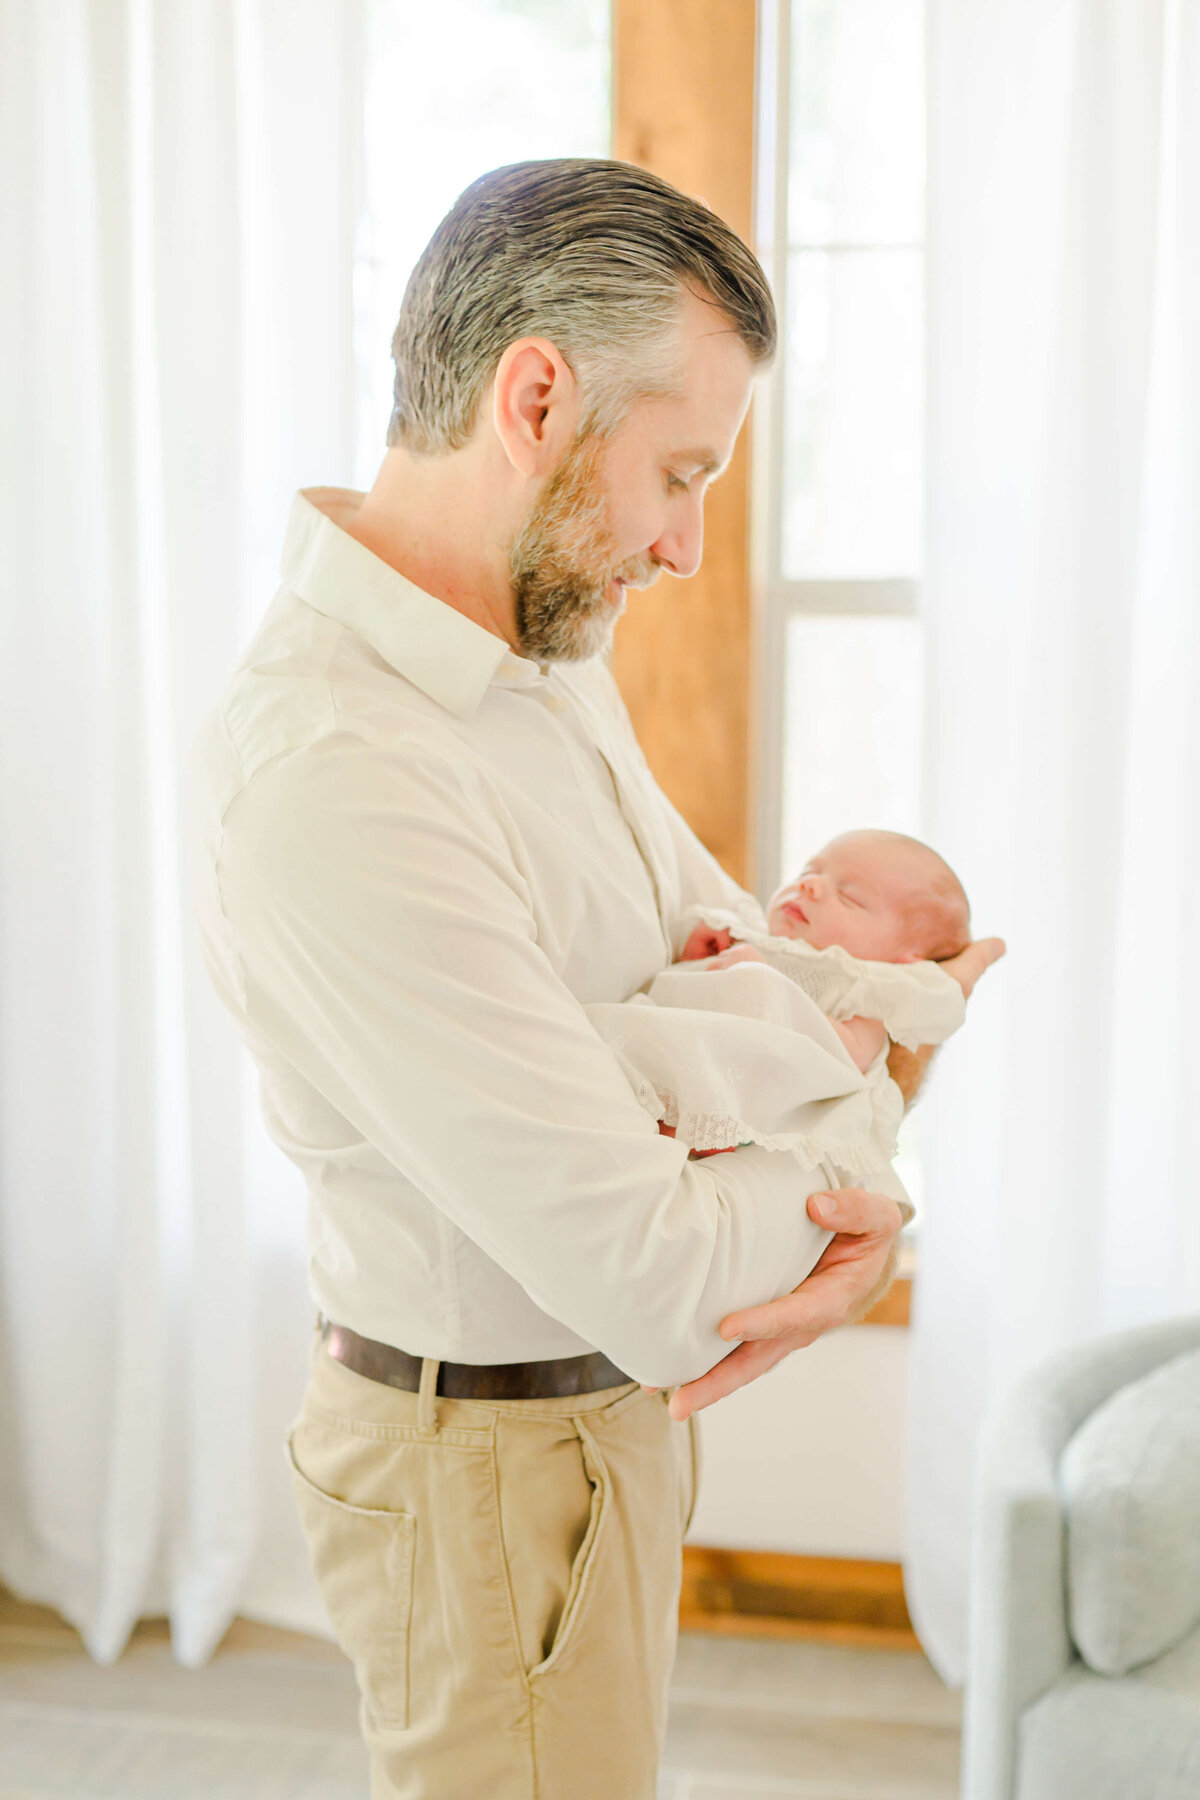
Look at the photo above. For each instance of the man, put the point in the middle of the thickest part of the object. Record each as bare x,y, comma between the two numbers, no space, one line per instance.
426,837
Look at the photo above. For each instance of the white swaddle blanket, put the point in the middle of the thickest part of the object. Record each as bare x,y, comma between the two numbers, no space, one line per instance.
747,1055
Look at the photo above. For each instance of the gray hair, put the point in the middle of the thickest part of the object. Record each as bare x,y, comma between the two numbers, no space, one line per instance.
593,255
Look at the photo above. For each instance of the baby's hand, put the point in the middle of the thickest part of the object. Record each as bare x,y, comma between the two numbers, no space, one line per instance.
863,1038
737,953
705,941
669,1131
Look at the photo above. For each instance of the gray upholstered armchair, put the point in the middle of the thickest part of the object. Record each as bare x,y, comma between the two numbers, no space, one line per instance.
1084,1679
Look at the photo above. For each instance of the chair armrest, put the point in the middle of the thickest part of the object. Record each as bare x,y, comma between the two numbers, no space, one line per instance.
1020,1645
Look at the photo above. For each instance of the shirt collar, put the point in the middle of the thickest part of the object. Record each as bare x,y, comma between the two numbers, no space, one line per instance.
438,649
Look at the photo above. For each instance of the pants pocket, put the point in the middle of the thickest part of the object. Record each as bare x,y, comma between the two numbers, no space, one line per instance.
362,1558
584,1566
692,1470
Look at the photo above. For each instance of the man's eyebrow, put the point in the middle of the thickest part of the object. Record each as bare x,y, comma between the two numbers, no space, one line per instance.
707,462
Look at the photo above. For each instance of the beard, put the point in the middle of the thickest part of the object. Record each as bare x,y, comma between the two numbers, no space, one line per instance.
561,563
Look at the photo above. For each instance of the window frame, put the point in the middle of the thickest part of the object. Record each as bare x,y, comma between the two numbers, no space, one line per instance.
779,599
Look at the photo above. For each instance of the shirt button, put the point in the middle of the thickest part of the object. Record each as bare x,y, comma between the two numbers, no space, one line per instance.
554,704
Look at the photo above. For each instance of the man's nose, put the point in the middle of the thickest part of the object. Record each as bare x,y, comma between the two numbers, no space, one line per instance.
681,546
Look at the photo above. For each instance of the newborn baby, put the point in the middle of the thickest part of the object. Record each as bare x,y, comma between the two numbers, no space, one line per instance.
878,897
774,1029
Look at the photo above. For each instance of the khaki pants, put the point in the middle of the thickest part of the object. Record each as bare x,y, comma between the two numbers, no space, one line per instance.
505,1577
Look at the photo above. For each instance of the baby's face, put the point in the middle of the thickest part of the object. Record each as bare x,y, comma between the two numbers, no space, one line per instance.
865,891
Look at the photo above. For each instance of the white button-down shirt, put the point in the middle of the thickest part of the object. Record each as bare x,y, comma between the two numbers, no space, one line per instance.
417,857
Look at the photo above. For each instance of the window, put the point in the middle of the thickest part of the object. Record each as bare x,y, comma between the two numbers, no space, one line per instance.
452,90
839,502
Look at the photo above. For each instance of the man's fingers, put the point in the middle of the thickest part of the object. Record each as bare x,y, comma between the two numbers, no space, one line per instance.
814,1312
983,953
744,1364
855,1212
822,1303
848,1269
850,1266
970,963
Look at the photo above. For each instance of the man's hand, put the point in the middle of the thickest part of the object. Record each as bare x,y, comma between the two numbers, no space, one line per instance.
854,1272
970,963
907,1067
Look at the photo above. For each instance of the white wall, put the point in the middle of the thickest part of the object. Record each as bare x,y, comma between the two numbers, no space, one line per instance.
810,1458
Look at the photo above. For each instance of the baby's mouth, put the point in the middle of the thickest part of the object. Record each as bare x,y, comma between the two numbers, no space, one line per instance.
794,910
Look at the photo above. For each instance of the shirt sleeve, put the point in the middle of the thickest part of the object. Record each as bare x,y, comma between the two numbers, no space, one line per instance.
918,1003
385,943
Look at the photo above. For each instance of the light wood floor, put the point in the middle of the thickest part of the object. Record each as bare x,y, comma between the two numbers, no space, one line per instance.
273,1717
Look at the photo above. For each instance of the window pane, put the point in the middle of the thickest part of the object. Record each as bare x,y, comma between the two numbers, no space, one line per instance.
451,91
852,722
856,152
853,372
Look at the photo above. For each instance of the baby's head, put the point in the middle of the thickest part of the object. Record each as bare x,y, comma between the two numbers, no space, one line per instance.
881,896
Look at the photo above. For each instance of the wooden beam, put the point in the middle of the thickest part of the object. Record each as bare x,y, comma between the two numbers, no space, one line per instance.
683,106
763,1593
896,1306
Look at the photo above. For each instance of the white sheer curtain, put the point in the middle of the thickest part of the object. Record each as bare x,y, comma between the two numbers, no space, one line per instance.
178,203
1064,620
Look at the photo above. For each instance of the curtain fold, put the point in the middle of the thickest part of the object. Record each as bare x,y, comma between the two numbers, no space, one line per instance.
1063,608
178,208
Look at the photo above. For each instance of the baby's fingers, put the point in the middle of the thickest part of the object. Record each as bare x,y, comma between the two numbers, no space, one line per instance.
736,953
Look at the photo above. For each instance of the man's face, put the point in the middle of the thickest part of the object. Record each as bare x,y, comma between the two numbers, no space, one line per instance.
619,510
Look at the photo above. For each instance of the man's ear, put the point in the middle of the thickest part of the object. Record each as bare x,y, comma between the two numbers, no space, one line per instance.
535,405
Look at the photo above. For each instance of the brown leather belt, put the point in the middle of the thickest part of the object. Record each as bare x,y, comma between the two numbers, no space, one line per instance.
473,1381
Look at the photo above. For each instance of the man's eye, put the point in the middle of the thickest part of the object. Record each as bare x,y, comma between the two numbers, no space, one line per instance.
676,481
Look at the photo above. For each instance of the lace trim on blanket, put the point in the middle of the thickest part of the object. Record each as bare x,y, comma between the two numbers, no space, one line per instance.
721,1131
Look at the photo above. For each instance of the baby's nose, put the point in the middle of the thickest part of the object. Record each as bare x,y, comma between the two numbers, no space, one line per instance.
810,885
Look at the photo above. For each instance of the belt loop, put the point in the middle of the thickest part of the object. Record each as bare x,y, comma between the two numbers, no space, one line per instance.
427,1419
